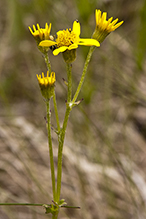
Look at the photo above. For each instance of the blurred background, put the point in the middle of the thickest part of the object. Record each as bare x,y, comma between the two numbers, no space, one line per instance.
104,161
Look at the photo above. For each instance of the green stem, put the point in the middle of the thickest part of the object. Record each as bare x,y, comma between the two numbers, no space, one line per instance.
60,150
27,204
56,112
69,77
83,74
51,150
55,216
36,204
46,57
63,130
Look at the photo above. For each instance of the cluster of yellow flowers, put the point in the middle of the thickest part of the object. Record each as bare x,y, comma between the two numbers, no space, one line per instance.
67,41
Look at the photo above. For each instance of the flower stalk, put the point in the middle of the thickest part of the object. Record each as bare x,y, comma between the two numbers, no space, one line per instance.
47,61
51,149
91,50
56,112
69,77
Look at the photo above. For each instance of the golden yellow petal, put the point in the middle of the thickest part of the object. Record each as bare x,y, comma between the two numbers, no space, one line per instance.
60,49
97,16
47,43
76,28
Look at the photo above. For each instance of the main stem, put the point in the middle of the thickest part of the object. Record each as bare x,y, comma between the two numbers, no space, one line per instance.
55,216
51,149
63,130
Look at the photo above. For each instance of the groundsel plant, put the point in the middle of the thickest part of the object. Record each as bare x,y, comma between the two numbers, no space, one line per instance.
65,42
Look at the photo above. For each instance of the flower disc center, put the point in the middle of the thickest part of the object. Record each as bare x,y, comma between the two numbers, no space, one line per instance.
66,38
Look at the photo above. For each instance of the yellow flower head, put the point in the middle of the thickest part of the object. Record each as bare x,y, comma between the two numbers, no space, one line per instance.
48,80
47,84
69,39
42,34
103,26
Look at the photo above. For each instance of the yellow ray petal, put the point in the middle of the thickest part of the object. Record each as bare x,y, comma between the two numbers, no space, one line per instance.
117,25
60,49
76,28
73,46
30,30
47,43
97,16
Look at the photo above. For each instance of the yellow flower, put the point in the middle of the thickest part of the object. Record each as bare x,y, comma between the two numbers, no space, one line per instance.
103,26
69,40
42,34
46,80
47,84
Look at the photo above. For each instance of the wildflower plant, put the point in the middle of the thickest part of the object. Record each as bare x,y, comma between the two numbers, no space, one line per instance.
65,42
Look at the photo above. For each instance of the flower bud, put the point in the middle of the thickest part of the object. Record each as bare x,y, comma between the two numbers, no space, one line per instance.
47,84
